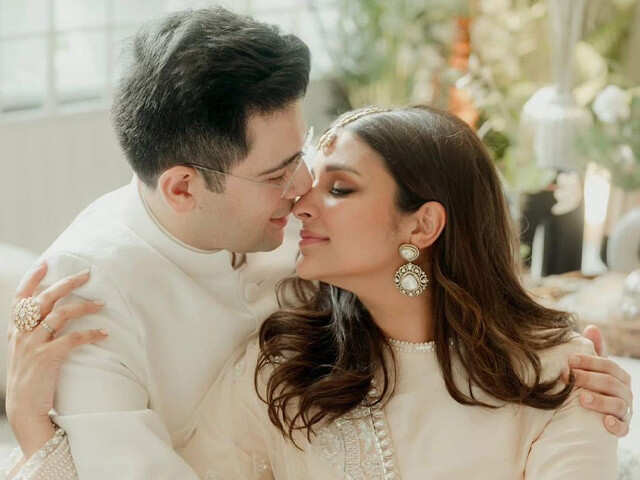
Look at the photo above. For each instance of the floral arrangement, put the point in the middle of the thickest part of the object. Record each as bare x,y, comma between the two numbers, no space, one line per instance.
403,51
614,139
510,61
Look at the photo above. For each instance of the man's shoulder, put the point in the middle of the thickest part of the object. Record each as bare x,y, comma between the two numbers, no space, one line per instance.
99,237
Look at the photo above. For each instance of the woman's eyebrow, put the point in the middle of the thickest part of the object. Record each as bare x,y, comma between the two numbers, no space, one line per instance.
338,167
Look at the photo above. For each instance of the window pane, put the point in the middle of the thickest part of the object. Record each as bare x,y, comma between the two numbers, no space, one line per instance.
237,6
121,51
128,12
287,21
261,7
80,65
314,27
71,14
23,68
22,16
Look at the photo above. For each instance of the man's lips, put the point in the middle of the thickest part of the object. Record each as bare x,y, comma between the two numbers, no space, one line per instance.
280,222
309,238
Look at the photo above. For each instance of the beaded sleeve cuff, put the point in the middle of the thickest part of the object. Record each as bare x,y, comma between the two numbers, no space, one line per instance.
52,462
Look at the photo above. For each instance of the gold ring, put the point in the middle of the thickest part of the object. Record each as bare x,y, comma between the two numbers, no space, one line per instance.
48,328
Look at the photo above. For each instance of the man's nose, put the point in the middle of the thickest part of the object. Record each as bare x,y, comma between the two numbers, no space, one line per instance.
301,183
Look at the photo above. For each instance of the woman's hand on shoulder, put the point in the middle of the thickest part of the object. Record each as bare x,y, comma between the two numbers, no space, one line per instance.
34,357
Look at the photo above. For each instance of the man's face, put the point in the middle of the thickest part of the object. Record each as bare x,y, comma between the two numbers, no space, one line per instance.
252,212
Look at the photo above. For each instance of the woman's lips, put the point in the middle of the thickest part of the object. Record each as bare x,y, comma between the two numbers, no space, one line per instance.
310,238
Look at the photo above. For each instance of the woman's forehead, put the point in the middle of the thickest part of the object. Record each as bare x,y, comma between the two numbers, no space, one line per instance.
347,149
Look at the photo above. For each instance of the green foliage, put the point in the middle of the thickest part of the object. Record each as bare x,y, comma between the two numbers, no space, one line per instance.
390,52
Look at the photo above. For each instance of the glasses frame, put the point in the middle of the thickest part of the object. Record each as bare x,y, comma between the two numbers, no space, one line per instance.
306,146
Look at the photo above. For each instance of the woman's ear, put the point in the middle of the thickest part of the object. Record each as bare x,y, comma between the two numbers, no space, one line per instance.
430,220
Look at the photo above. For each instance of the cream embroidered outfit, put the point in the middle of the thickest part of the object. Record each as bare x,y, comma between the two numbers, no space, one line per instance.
421,433
174,315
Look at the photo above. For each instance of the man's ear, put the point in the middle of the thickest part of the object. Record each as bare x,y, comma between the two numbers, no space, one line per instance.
430,220
177,185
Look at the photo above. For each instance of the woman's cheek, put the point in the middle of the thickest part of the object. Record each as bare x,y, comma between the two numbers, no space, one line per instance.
331,202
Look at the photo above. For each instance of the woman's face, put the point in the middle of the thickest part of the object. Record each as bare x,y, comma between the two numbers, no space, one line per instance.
351,226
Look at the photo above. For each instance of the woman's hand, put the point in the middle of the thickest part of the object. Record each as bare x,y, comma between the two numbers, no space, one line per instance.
608,384
34,358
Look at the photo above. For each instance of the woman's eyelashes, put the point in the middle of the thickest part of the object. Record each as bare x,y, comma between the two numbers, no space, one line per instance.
338,190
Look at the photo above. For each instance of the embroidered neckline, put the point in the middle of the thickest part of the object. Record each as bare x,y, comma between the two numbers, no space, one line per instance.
412,347
359,444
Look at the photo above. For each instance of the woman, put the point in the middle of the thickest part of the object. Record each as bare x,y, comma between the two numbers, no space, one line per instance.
415,353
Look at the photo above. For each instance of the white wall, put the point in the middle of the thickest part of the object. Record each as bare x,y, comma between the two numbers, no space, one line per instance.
51,169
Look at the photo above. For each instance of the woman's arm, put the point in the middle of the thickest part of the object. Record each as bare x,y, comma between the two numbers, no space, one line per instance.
102,396
33,365
52,462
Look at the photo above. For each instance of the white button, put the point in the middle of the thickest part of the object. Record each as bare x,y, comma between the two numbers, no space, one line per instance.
252,292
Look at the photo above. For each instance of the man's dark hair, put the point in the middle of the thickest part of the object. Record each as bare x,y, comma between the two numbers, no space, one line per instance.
195,79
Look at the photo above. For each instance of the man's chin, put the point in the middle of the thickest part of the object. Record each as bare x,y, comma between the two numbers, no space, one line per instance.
268,243
273,241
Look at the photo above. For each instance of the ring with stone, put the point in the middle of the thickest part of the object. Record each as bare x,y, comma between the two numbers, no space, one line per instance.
627,414
48,327
26,314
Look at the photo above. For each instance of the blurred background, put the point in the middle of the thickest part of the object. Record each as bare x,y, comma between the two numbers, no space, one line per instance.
551,86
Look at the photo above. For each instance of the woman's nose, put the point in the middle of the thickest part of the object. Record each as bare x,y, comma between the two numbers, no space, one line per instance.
304,208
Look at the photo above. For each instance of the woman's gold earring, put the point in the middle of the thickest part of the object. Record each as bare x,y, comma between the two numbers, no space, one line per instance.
410,279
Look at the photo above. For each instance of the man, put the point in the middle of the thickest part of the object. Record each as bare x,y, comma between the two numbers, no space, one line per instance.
209,117
209,91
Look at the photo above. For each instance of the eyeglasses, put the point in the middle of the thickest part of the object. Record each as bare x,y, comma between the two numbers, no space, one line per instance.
286,180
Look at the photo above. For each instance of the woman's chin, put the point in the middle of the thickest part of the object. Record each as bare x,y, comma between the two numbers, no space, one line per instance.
303,271
306,270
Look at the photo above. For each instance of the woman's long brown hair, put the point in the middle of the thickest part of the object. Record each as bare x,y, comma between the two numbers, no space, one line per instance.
320,353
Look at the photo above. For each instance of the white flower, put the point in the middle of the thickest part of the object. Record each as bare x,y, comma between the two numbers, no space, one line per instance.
625,158
494,7
612,105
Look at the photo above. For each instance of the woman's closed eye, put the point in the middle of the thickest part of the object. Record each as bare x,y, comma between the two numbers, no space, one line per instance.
340,190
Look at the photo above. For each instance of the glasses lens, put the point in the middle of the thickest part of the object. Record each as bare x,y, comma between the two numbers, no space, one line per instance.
290,181
300,165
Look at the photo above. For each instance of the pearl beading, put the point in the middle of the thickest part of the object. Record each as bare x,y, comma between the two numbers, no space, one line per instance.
412,347
52,462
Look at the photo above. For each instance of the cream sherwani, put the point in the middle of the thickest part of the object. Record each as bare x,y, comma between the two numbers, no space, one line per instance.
174,315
